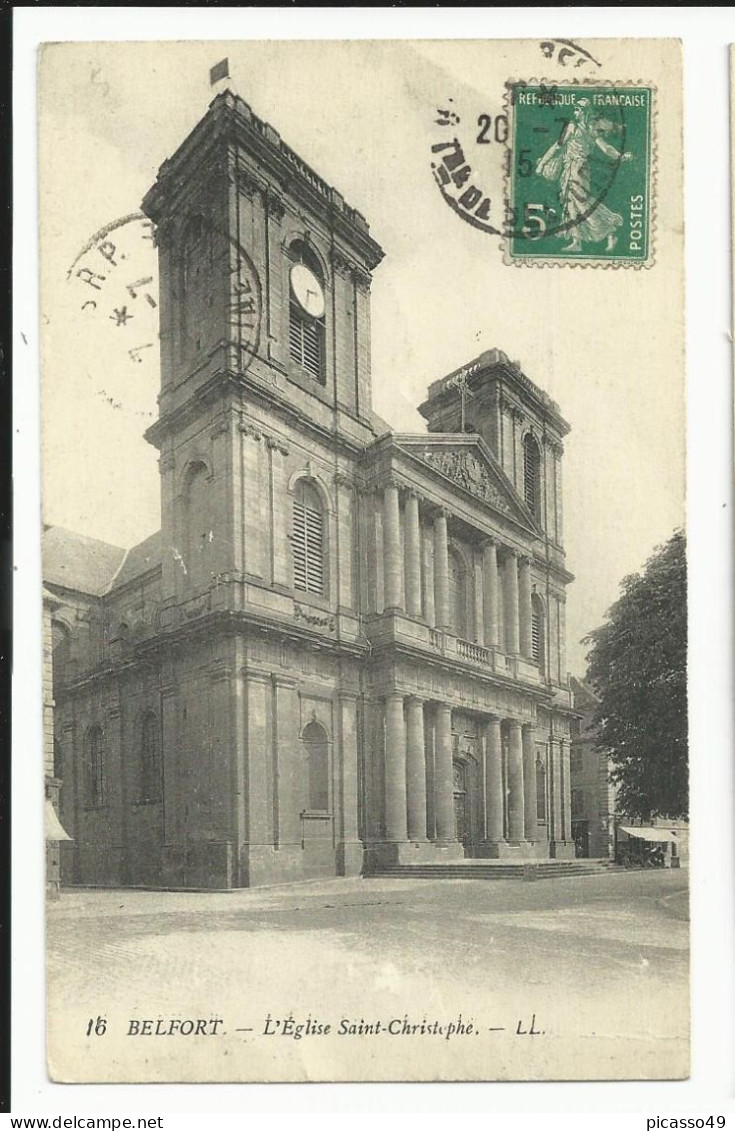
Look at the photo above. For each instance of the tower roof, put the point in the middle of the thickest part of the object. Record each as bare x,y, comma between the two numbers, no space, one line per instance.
493,364
230,118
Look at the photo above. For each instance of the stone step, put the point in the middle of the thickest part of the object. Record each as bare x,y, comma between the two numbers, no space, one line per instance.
495,870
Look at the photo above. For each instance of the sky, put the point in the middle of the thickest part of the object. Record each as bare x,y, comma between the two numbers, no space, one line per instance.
606,344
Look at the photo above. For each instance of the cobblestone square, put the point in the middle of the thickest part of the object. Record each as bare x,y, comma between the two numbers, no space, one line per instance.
550,975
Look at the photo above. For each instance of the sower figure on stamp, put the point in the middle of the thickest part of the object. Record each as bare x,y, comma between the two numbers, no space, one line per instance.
569,161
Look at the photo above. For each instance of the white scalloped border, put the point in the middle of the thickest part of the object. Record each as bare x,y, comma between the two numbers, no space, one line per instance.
596,264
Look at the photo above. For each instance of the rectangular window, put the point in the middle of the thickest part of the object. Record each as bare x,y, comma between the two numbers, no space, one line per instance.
536,637
308,548
305,343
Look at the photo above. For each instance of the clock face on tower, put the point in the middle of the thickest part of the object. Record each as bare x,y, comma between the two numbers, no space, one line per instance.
307,290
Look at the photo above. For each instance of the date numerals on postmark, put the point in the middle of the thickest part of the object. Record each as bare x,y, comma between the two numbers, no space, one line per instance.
492,129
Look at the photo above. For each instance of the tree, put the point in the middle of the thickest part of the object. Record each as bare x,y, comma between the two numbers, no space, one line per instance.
637,665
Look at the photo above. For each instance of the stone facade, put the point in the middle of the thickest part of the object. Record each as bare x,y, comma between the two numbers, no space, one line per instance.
593,794
346,647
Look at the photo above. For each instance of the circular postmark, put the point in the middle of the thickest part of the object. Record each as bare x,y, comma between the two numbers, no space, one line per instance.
558,162
113,310
212,282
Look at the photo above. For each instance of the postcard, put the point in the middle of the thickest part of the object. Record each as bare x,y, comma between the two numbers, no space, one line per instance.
364,571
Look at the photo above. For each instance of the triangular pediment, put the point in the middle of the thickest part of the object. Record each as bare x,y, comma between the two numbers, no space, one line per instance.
469,465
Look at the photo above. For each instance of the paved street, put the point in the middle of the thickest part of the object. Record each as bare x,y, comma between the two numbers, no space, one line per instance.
572,978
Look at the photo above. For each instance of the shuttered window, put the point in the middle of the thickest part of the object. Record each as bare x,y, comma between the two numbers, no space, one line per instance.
536,635
307,540
538,644
531,474
306,339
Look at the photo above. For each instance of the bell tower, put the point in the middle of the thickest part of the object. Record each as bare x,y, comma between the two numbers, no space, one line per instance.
520,424
264,267
265,276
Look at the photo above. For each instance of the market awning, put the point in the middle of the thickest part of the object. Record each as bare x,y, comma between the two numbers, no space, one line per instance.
659,836
54,829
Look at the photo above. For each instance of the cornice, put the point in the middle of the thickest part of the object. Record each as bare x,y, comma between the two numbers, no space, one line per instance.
541,694
494,365
176,418
230,120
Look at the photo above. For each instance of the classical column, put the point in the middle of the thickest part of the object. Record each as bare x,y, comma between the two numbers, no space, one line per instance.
415,768
429,731
510,602
490,593
391,547
516,818
555,789
566,790
493,780
441,570
443,774
413,556
478,590
524,606
427,554
395,768
530,802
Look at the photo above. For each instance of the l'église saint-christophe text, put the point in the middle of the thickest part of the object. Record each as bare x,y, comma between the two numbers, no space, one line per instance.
297,1029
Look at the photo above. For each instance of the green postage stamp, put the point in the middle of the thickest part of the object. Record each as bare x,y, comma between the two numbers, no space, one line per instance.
579,181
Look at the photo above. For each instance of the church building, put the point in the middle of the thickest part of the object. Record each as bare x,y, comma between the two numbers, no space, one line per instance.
345,649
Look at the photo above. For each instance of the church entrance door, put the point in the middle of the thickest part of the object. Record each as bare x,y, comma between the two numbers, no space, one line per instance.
461,830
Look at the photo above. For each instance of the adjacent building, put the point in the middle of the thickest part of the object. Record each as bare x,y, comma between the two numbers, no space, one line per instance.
346,646
592,792
599,829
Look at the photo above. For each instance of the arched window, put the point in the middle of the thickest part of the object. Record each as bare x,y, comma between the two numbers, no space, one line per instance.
150,760
532,474
200,533
540,788
457,595
94,772
307,539
317,758
538,641
307,312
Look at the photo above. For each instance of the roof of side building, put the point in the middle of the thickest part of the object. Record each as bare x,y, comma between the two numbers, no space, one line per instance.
139,559
75,561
